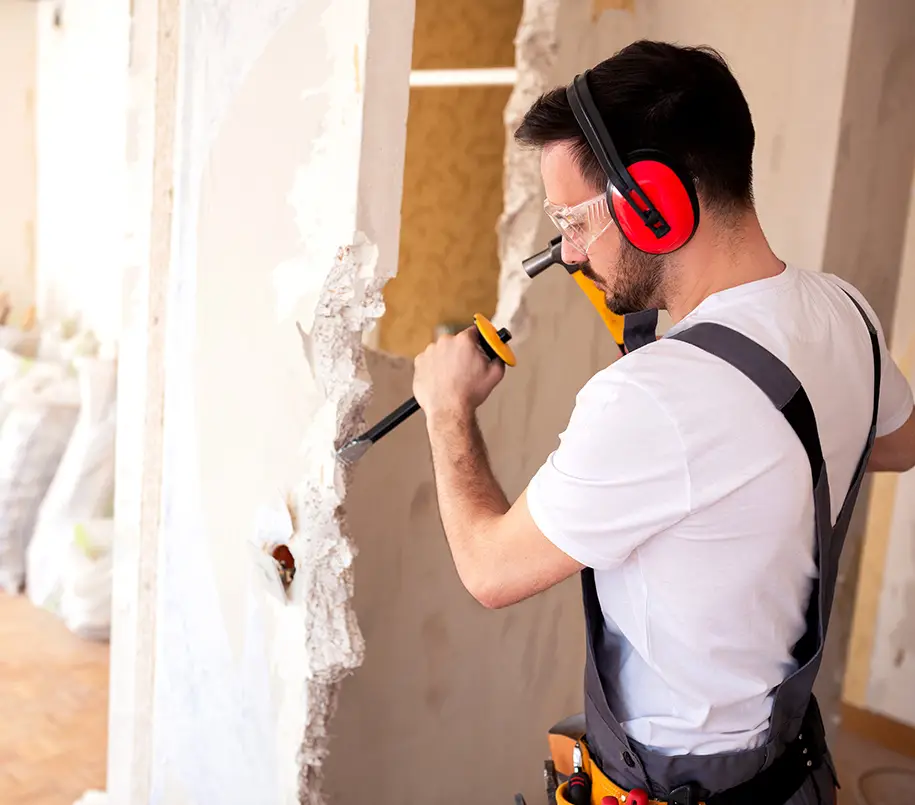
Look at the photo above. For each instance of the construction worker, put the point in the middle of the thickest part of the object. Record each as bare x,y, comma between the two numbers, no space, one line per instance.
703,485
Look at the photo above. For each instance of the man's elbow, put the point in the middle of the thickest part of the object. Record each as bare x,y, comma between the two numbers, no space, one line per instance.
905,463
487,591
894,452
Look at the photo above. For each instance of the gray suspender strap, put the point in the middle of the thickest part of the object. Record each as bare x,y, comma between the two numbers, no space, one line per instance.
783,388
787,394
640,328
845,513
770,773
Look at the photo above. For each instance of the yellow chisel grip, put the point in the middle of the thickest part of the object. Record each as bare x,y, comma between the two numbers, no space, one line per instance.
612,320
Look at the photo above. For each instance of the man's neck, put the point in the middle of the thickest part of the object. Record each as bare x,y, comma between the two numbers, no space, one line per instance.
720,260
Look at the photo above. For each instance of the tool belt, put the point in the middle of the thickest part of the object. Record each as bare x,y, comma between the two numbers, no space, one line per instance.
773,786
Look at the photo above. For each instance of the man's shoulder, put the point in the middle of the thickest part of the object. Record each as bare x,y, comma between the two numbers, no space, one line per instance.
673,383
664,377
832,283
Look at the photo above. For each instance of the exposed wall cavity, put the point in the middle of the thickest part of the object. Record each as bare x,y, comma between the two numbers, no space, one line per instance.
449,267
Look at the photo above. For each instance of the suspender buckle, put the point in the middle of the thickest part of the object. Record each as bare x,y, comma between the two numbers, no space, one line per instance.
684,795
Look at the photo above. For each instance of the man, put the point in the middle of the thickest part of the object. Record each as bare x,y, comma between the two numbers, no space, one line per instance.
682,492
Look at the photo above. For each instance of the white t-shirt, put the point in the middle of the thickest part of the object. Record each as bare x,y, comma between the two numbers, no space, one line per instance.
685,489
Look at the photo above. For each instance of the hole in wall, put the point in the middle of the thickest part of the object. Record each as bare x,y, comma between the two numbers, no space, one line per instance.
448,265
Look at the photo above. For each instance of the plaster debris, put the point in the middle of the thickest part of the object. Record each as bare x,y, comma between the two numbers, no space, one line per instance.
350,300
536,49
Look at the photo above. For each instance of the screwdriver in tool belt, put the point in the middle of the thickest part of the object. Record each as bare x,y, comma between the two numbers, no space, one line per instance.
579,782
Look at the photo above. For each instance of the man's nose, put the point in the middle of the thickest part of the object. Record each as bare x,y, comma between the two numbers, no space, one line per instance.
571,255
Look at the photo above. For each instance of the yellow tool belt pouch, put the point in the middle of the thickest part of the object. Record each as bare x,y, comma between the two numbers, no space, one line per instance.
601,785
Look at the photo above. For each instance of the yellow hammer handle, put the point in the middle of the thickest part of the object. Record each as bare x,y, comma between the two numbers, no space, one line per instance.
612,320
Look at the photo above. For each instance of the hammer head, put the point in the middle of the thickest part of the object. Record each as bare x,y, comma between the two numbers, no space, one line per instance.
551,255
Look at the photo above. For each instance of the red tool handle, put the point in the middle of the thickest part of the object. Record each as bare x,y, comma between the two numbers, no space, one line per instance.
637,796
580,788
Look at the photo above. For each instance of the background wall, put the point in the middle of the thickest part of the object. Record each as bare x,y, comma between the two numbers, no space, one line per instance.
890,686
18,65
866,243
881,661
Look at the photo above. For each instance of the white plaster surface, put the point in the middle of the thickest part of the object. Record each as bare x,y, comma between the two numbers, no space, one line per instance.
81,128
287,152
18,67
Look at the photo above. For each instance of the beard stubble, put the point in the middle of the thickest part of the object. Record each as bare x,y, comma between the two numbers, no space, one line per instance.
637,281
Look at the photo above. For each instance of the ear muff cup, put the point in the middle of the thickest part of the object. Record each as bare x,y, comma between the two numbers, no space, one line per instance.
670,190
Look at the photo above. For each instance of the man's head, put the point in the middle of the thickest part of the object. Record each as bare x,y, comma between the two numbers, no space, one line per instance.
682,102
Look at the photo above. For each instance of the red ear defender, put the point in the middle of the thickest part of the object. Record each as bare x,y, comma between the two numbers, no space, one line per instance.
674,198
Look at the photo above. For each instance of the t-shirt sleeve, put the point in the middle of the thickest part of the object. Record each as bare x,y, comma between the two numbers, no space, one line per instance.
618,477
896,401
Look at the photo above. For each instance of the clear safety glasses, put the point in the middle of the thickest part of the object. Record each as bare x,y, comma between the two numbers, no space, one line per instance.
582,224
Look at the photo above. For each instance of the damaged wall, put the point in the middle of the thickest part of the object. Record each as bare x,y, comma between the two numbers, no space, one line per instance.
268,140
256,108
466,694
18,64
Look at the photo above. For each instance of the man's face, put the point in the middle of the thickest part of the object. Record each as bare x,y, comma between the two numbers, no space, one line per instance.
629,279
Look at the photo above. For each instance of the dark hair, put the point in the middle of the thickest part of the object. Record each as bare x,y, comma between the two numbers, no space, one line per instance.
680,100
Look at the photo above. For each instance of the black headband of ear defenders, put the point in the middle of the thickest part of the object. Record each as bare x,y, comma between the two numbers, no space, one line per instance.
592,126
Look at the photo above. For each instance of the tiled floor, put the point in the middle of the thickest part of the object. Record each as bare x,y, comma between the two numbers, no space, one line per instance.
53,720
53,708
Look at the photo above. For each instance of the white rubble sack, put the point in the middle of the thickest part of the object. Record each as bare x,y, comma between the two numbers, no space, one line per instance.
21,342
85,599
11,367
93,798
65,343
83,486
43,407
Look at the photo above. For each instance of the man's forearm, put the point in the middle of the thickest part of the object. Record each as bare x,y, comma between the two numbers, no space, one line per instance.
469,497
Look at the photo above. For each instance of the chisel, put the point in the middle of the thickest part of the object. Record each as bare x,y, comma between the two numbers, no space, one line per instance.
494,344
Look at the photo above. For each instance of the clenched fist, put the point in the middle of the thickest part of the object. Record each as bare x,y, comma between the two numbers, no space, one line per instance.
454,376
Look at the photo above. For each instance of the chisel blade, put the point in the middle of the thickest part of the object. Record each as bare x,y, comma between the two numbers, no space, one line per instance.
353,450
